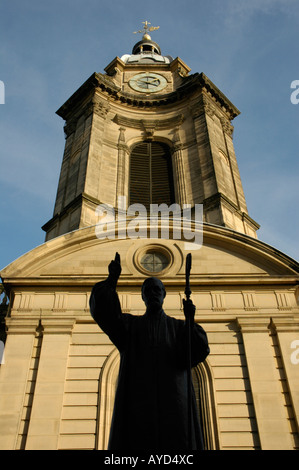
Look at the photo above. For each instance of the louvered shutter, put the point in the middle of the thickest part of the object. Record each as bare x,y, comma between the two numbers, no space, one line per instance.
151,178
139,175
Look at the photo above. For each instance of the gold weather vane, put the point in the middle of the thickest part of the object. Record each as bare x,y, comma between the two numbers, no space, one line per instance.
146,28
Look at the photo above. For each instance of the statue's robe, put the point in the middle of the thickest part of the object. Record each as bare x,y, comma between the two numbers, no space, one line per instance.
151,401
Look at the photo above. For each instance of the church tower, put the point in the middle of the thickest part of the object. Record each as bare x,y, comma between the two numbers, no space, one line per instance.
149,132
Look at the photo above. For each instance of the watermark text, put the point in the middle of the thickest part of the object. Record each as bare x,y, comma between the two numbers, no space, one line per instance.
295,354
161,221
295,93
2,92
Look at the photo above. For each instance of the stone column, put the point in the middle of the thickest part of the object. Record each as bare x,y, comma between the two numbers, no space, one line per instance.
14,376
43,431
271,417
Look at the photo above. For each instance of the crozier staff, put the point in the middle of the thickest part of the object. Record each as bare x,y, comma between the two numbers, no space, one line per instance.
151,401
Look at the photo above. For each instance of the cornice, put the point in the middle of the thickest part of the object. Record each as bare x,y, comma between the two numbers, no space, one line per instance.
105,84
217,198
211,280
206,83
77,202
176,65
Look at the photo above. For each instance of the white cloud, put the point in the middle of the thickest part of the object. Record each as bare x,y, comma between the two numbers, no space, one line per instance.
245,9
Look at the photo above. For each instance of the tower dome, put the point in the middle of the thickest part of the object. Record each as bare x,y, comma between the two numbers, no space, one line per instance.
146,45
146,50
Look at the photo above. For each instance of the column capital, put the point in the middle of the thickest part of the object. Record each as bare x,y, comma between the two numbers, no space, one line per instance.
58,325
21,325
254,324
286,324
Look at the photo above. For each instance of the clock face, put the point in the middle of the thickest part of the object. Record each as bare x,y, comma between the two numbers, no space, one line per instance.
148,82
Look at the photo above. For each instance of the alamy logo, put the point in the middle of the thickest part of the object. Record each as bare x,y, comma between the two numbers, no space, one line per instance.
295,354
1,352
2,92
295,93
162,221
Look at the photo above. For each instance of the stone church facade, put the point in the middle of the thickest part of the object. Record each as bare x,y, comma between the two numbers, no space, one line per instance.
147,131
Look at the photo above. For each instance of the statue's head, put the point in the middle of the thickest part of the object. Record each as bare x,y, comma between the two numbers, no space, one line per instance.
153,292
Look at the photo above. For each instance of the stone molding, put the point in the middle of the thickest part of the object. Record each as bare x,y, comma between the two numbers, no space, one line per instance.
144,124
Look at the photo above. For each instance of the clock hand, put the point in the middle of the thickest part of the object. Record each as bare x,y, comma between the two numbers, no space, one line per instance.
155,81
148,79
146,82
142,83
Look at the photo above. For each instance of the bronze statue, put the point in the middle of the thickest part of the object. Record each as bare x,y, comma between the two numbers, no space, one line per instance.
151,401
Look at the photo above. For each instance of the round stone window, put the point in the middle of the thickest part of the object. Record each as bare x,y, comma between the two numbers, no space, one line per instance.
154,261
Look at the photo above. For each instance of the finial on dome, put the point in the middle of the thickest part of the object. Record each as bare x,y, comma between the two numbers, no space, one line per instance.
147,37
146,29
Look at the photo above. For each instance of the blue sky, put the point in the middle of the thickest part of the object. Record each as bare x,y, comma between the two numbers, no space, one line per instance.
249,49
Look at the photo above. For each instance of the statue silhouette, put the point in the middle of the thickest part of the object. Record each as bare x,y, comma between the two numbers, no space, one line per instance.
151,401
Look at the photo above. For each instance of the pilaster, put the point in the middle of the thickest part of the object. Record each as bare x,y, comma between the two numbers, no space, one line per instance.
43,431
122,166
14,372
274,432
287,330
179,171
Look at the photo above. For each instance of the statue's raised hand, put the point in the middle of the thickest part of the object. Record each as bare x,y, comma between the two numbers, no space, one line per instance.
114,269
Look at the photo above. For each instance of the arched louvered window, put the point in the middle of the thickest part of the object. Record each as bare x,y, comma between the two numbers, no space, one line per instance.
151,177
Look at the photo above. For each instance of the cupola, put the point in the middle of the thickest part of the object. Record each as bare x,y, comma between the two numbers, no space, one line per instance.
146,45
146,50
